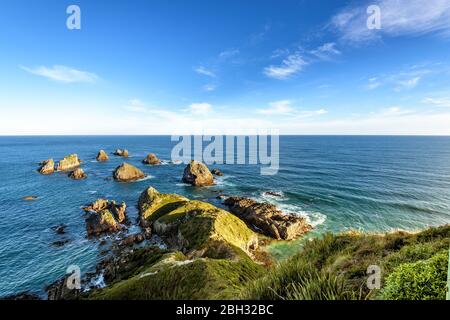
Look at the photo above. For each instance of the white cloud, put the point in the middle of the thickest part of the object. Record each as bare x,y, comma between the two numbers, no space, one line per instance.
291,65
136,105
437,102
398,18
209,87
373,84
202,70
408,83
325,51
229,53
62,74
278,107
200,108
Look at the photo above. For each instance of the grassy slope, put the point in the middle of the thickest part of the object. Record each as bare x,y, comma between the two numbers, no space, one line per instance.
334,267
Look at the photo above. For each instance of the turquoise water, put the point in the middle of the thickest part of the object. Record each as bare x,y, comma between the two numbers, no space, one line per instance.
338,183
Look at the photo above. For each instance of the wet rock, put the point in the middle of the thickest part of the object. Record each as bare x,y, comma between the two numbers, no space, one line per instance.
132,239
68,163
217,172
197,174
273,193
127,173
30,198
122,153
63,289
268,219
151,159
22,296
47,167
60,243
78,174
102,156
59,229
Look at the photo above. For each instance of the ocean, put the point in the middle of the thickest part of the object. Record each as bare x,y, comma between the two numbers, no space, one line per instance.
366,183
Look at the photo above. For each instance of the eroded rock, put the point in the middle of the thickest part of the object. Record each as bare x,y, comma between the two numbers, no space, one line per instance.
197,174
78,174
267,218
151,159
68,163
127,173
47,167
102,156
122,153
106,217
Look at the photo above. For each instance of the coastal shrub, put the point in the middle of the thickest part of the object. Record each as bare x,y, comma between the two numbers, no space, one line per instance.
421,280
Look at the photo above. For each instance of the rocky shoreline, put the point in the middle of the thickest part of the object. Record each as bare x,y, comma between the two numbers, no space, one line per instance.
193,232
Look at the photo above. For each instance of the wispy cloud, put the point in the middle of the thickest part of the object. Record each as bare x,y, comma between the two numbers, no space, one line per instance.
408,83
291,65
286,108
373,83
202,108
437,102
204,71
62,74
326,51
398,18
229,53
209,87
136,105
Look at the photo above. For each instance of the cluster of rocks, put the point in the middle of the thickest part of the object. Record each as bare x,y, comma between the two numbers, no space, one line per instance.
267,218
105,216
69,163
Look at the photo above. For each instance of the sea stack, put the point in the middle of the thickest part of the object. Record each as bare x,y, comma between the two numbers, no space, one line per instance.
197,174
151,159
68,163
102,156
127,173
106,216
122,153
78,174
47,167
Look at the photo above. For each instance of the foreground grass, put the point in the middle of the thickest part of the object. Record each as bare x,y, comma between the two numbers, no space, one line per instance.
414,266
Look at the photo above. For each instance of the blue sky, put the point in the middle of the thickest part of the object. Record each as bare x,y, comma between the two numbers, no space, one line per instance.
165,67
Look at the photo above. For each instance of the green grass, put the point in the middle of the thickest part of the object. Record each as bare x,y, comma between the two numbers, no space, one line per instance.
335,266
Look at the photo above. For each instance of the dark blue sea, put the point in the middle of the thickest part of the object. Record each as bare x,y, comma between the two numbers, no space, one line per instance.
339,183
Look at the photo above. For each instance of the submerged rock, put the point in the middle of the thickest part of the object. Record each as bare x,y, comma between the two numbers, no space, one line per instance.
47,167
122,153
106,217
127,173
59,229
151,159
102,156
197,174
22,296
68,163
30,198
267,218
217,172
78,174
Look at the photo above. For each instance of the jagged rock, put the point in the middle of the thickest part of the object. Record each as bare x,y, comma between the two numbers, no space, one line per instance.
132,239
30,198
127,173
47,167
217,172
102,156
197,174
122,153
267,218
273,193
60,243
101,222
68,163
78,174
118,210
151,159
60,290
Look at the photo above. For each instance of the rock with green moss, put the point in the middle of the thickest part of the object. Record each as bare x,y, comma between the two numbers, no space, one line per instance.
68,163
194,227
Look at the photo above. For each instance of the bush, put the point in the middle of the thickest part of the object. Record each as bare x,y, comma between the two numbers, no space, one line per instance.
421,280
